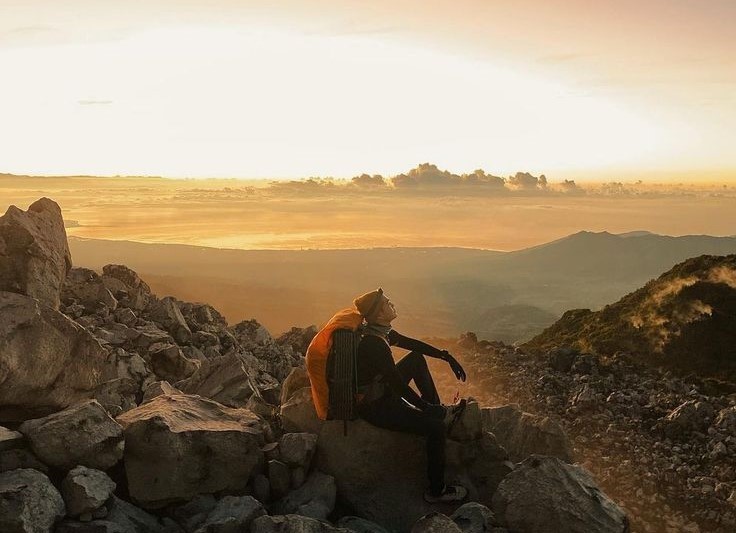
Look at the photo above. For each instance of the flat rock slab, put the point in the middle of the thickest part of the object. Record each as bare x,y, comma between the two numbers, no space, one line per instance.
84,434
178,446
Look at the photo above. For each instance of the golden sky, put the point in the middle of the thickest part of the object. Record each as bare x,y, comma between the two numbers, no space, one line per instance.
579,89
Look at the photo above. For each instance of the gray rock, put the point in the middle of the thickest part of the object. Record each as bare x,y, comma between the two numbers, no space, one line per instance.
117,395
126,316
726,421
130,518
10,440
20,458
86,287
34,253
523,434
85,490
473,517
262,488
435,523
545,494
279,478
232,514
29,503
196,445
193,513
315,498
250,333
223,379
169,363
166,313
297,449
127,287
159,388
66,366
690,416
360,525
296,380
80,435
562,359
298,476
292,523
298,339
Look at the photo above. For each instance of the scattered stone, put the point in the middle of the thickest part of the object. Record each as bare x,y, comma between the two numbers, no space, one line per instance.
232,514
80,435
86,287
169,363
127,287
435,523
159,388
166,312
474,517
85,489
292,523
690,416
29,503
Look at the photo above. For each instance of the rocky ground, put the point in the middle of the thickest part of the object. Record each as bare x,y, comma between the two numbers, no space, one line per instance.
125,412
662,446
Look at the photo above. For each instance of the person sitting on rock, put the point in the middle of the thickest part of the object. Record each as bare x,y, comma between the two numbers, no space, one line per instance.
385,398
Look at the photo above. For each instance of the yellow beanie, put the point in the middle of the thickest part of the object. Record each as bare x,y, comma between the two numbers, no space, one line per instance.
369,304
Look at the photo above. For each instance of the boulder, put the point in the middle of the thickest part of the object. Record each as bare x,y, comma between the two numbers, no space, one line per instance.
127,287
545,494
726,421
159,388
298,339
223,379
250,333
473,517
435,523
166,313
80,435
29,503
279,478
232,514
86,287
178,446
292,523
10,440
169,363
118,395
374,468
523,434
34,253
20,458
690,416
562,359
192,514
297,449
360,525
85,489
297,379
47,361
315,498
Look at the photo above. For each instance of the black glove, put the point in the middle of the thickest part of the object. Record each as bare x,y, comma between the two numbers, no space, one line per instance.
455,366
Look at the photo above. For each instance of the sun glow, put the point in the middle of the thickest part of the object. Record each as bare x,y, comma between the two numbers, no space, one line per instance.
198,101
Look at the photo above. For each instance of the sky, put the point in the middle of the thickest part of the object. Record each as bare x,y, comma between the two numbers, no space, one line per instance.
574,89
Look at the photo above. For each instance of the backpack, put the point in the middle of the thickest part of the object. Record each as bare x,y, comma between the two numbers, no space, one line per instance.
331,366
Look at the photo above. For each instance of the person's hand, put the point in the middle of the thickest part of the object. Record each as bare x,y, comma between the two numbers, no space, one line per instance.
455,366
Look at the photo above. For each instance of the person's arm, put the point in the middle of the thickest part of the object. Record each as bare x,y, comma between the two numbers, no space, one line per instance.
384,364
407,343
397,339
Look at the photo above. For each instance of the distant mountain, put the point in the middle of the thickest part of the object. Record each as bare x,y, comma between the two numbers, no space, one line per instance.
685,320
438,291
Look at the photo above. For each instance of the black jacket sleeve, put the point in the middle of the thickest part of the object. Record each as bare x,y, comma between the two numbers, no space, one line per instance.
384,363
397,339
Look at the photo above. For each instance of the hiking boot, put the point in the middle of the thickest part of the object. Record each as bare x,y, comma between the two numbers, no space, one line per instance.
451,493
453,413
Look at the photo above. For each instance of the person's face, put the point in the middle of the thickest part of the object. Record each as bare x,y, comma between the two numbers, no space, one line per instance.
386,314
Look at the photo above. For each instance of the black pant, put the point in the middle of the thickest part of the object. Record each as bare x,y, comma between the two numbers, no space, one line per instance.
391,412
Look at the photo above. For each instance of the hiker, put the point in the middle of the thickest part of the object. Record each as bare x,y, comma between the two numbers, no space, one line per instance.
385,398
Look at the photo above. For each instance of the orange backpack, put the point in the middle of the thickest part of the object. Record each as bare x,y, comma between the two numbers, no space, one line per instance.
318,356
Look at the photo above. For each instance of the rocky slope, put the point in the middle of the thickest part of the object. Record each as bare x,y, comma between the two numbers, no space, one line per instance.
682,320
124,412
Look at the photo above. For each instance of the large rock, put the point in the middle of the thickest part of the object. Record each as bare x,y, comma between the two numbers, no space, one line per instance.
86,287
297,379
292,523
523,434
232,514
376,468
84,434
473,517
297,449
179,445
169,363
10,440
545,494
315,498
223,379
34,253
435,523
127,287
86,489
166,312
47,361
29,503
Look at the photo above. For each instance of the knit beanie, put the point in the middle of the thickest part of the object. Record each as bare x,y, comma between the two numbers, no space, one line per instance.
370,303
